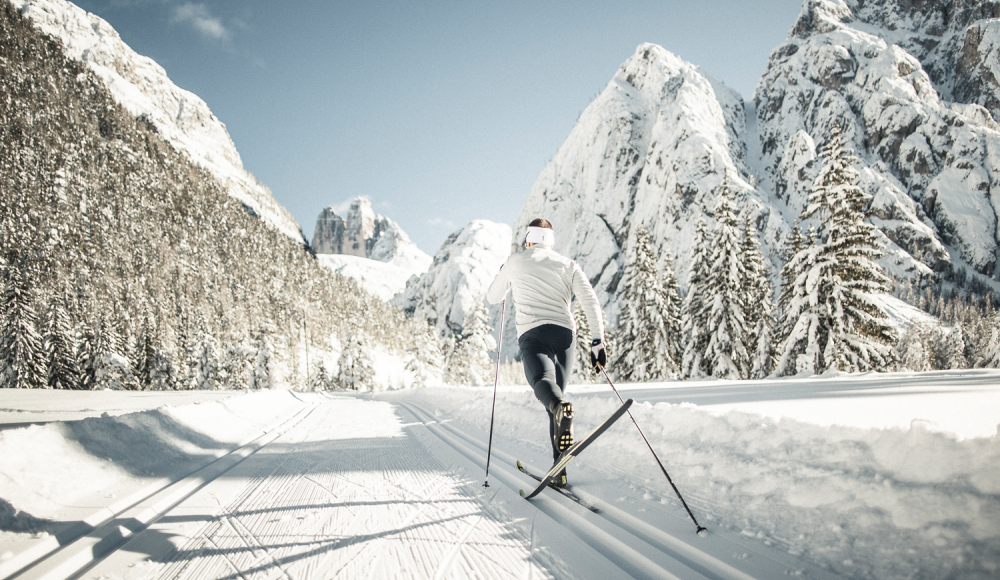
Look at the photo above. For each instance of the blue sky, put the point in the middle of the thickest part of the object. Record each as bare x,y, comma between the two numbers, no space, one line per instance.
440,112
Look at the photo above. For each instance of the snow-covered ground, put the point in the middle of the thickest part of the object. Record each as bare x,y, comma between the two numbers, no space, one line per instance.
872,476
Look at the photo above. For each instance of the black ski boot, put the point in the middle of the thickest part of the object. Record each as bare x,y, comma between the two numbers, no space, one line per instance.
562,425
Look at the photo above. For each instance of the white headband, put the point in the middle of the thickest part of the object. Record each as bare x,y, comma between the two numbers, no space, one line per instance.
544,236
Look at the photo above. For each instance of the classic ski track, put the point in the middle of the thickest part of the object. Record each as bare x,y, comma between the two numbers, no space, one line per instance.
701,563
386,509
53,558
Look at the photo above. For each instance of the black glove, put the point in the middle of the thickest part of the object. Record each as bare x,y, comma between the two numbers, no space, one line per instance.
598,355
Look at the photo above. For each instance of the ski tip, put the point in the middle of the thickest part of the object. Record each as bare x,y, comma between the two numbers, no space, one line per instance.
519,466
702,531
522,493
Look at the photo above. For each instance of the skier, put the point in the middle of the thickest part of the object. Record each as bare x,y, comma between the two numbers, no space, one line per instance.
542,285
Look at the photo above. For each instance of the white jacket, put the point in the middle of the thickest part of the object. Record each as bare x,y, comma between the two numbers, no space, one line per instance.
542,285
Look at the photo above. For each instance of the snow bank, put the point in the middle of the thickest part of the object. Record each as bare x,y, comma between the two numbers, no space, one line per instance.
51,468
876,502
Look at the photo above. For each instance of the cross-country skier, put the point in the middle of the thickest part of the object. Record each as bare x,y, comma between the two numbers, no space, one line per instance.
542,285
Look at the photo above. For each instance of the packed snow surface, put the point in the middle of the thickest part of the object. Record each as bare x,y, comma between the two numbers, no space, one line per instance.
856,476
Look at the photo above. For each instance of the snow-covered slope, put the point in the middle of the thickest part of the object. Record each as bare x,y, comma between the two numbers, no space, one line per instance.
143,88
885,71
651,150
364,233
379,278
457,280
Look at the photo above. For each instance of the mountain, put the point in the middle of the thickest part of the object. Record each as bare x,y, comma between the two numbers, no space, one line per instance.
126,264
911,84
907,82
365,234
456,282
140,85
649,150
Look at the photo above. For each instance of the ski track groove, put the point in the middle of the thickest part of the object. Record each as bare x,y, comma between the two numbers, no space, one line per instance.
701,563
386,511
116,525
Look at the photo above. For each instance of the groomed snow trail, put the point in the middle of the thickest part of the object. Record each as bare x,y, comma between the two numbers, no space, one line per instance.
350,492
354,486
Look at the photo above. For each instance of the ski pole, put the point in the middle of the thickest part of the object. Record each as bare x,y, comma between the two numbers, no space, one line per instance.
496,379
663,469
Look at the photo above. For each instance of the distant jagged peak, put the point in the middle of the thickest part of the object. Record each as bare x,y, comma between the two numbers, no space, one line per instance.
363,233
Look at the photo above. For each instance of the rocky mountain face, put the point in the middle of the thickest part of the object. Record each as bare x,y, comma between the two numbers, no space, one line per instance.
909,83
456,282
651,149
365,234
912,84
140,85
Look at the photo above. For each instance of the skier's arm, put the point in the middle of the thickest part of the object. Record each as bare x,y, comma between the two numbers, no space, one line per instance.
498,289
588,301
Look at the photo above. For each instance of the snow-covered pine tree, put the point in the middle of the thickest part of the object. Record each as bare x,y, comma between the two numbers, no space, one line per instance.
263,366
991,356
424,359
645,324
694,310
726,354
912,354
583,372
794,243
954,350
759,306
22,357
357,371
60,347
674,336
835,320
205,367
470,362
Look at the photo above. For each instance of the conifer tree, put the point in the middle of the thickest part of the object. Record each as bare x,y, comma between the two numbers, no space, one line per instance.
469,362
424,359
759,306
648,321
834,318
60,347
22,358
726,354
913,356
583,371
991,356
357,371
695,308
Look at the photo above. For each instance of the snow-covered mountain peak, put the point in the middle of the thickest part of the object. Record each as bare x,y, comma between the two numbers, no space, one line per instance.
144,89
363,233
456,282
651,149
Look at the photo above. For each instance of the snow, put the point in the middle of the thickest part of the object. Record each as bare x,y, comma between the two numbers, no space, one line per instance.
382,279
863,476
462,270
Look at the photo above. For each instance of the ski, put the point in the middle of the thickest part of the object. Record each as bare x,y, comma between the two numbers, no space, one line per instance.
565,491
576,448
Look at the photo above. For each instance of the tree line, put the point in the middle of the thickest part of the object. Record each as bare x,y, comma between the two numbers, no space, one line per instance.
831,313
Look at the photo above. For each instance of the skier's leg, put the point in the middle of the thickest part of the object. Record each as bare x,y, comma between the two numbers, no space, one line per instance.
538,359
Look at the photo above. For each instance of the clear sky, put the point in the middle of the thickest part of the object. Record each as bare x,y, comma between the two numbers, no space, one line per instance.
440,112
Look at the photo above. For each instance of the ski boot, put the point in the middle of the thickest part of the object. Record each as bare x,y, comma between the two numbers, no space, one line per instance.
559,480
562,425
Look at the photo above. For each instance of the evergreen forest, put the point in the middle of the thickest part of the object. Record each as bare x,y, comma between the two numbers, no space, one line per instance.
124,265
